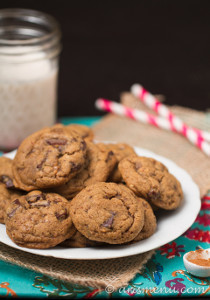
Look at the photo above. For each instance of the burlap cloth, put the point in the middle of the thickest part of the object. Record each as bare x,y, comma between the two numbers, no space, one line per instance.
162,142
118,272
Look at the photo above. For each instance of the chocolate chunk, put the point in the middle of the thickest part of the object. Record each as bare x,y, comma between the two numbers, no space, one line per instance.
11,214
75,167
42,203
7,181
34,198
16,201
109,155
56,142
108,223
61,216
83,145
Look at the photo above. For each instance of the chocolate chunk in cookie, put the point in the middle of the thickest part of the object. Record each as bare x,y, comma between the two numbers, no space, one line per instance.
6,196
7,190
6,175
48,158
100,162
39,220
107,212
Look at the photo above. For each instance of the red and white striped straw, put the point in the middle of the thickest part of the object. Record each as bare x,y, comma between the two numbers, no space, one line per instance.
139,115
176,123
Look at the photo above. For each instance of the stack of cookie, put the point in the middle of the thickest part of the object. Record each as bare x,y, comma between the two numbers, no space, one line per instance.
63,189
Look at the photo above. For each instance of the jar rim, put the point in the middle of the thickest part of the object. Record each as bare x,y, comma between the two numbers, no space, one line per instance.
30,15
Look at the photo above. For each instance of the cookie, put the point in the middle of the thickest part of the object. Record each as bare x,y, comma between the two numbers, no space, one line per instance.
150,179
150,222
6,175
120,151
7,190
107,212
171,194
6,196
79,241
39,220
99,164
48,158
81,130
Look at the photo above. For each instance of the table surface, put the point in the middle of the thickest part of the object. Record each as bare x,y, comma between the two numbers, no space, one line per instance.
164,274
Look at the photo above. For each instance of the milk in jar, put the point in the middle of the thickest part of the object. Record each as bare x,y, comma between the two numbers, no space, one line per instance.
28,74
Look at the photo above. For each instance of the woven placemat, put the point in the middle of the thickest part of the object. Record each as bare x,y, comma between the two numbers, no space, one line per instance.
118,272
95,273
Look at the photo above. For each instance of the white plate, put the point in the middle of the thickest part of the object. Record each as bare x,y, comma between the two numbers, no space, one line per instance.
171,224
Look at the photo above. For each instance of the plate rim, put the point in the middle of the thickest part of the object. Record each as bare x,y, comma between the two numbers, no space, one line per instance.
131,249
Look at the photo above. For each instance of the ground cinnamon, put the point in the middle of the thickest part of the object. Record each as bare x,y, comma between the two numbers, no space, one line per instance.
201,262
199,257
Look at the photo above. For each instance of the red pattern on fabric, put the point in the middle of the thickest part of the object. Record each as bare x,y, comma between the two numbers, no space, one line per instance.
171,250
203,219
198,235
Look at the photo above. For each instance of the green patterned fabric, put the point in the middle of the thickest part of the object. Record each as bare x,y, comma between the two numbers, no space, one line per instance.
163,275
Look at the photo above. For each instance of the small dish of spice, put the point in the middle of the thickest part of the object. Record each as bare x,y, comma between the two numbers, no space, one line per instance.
198,262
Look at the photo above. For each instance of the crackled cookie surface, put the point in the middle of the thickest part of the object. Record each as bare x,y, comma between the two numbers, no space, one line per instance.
107,212
39,220
81,130
99,164
150,179
48,158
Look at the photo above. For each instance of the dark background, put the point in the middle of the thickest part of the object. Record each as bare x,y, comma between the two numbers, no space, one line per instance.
109,45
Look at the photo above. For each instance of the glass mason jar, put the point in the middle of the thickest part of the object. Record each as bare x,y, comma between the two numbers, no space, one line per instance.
29,56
